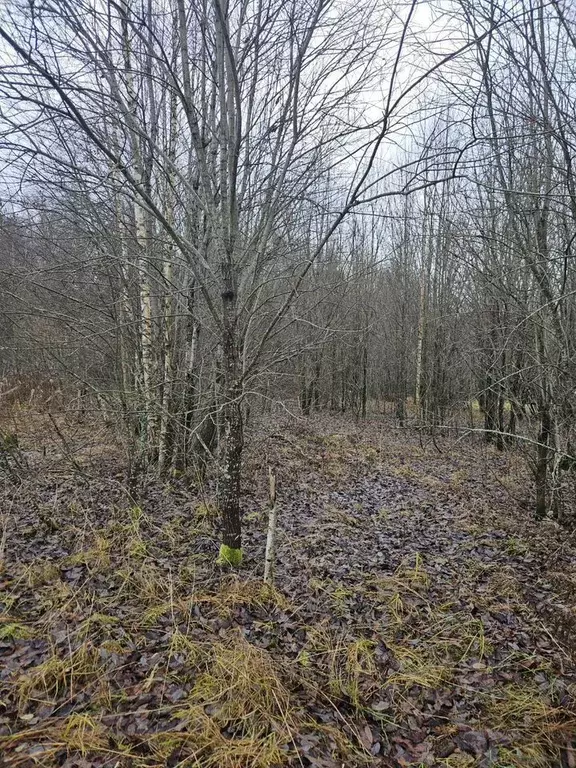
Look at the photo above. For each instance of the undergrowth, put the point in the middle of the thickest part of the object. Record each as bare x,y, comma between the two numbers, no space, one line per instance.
133,650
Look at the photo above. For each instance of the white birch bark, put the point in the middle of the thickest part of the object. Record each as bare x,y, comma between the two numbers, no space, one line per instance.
269,558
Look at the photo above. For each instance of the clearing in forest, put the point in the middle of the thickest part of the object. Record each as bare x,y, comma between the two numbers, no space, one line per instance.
419,616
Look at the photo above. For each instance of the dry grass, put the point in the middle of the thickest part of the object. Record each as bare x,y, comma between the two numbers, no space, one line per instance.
239,713
241,705
58,675
244,706
235,592
241,685
347,665
538,725
82,733
96,558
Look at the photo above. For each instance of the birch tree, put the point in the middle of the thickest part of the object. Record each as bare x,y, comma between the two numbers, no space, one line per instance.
215,124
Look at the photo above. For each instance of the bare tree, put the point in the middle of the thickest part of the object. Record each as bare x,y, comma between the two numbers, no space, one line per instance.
213,129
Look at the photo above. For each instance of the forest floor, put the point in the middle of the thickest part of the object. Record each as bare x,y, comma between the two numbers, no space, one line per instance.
419,618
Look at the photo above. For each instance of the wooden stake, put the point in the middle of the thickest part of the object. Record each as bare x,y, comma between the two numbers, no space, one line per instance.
272,517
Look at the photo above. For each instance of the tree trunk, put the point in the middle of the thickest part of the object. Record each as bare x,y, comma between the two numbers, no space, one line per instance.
205,439
512,421
232,434
424,279
166,430
305,392
489,405
315,394
270,539
541,475
401,410
364,392
500,435
229,490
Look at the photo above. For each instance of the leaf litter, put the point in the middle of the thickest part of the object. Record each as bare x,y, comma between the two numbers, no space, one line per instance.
419,616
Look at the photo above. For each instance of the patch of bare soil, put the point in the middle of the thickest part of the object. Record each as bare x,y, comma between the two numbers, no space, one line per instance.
419,617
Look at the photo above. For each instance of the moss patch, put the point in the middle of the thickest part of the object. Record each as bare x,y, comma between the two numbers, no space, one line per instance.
229,556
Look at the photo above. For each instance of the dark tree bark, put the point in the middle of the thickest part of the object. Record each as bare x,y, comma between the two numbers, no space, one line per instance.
364,393
232,429
541,473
